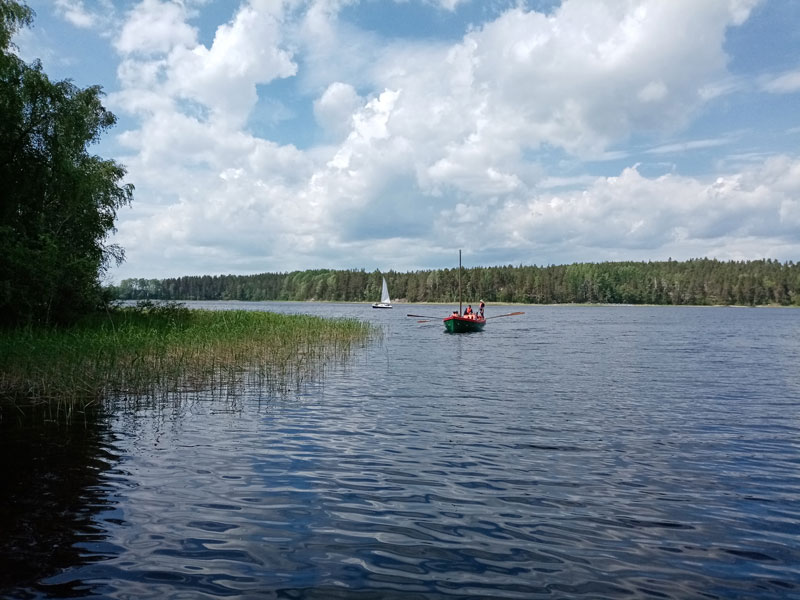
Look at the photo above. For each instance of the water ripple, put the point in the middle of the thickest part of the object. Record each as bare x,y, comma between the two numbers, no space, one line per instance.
633,455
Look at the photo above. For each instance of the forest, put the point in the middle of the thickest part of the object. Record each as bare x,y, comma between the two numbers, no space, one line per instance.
692,282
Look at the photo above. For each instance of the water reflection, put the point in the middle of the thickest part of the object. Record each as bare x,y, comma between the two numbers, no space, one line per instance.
52,493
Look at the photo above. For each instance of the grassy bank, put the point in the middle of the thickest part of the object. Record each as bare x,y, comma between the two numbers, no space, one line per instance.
154,350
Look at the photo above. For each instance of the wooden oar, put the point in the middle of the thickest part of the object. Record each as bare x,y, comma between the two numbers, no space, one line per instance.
506,315
487,318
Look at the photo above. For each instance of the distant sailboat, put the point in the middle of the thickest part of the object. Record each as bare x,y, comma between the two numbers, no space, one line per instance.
385,302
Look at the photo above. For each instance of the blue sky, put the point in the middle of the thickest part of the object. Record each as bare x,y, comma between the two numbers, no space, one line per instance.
275,135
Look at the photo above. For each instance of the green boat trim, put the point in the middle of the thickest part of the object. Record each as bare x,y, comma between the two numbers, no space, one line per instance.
457,324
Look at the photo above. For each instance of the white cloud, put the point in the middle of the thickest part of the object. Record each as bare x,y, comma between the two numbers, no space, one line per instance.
740,9
164,68
690,145
245,52
581,79
74,12
727,85
785,83
652,92
450,5
334,110
592,73
622,217
155,27
432,144
668,215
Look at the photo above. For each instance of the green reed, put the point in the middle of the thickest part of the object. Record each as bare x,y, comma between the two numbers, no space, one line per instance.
154,350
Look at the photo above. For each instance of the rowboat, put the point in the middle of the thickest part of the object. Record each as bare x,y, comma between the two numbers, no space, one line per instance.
465,324
458,322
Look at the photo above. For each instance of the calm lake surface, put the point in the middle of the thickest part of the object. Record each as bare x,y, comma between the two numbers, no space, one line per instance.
595,452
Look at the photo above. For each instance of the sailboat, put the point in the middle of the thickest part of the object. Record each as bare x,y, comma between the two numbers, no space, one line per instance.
385,302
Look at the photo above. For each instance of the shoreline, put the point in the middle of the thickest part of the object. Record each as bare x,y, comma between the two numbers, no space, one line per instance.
401,301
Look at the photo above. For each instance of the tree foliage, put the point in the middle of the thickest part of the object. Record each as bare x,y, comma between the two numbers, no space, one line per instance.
59,202
699,281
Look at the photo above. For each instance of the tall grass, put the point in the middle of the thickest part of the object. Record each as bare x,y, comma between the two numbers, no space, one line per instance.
154,350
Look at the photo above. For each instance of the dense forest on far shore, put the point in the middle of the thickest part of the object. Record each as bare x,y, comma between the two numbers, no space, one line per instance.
693,282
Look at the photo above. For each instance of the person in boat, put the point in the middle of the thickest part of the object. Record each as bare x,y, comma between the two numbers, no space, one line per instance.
481,308
469,310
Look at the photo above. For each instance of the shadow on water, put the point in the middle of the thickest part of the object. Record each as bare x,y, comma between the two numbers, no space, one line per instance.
51,470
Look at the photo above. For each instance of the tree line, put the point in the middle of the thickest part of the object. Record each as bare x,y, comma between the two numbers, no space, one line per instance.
692,282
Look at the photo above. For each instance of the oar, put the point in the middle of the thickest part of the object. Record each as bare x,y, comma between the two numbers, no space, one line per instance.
426,318
507,315
487,318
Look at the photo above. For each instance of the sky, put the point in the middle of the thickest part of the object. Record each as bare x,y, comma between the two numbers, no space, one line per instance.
281,135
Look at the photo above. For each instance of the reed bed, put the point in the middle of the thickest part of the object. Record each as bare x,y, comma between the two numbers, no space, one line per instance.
167,350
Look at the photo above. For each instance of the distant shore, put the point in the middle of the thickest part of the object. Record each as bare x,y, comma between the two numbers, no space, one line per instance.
402,301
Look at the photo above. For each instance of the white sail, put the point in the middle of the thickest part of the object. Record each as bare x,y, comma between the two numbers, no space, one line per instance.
385,293
385,302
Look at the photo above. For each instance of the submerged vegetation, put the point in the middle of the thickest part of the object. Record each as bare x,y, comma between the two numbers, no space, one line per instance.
157,350
700,281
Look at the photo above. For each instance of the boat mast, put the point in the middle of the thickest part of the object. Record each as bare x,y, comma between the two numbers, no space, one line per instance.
459,282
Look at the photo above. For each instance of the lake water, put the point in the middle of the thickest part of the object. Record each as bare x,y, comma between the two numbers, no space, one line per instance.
595,452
